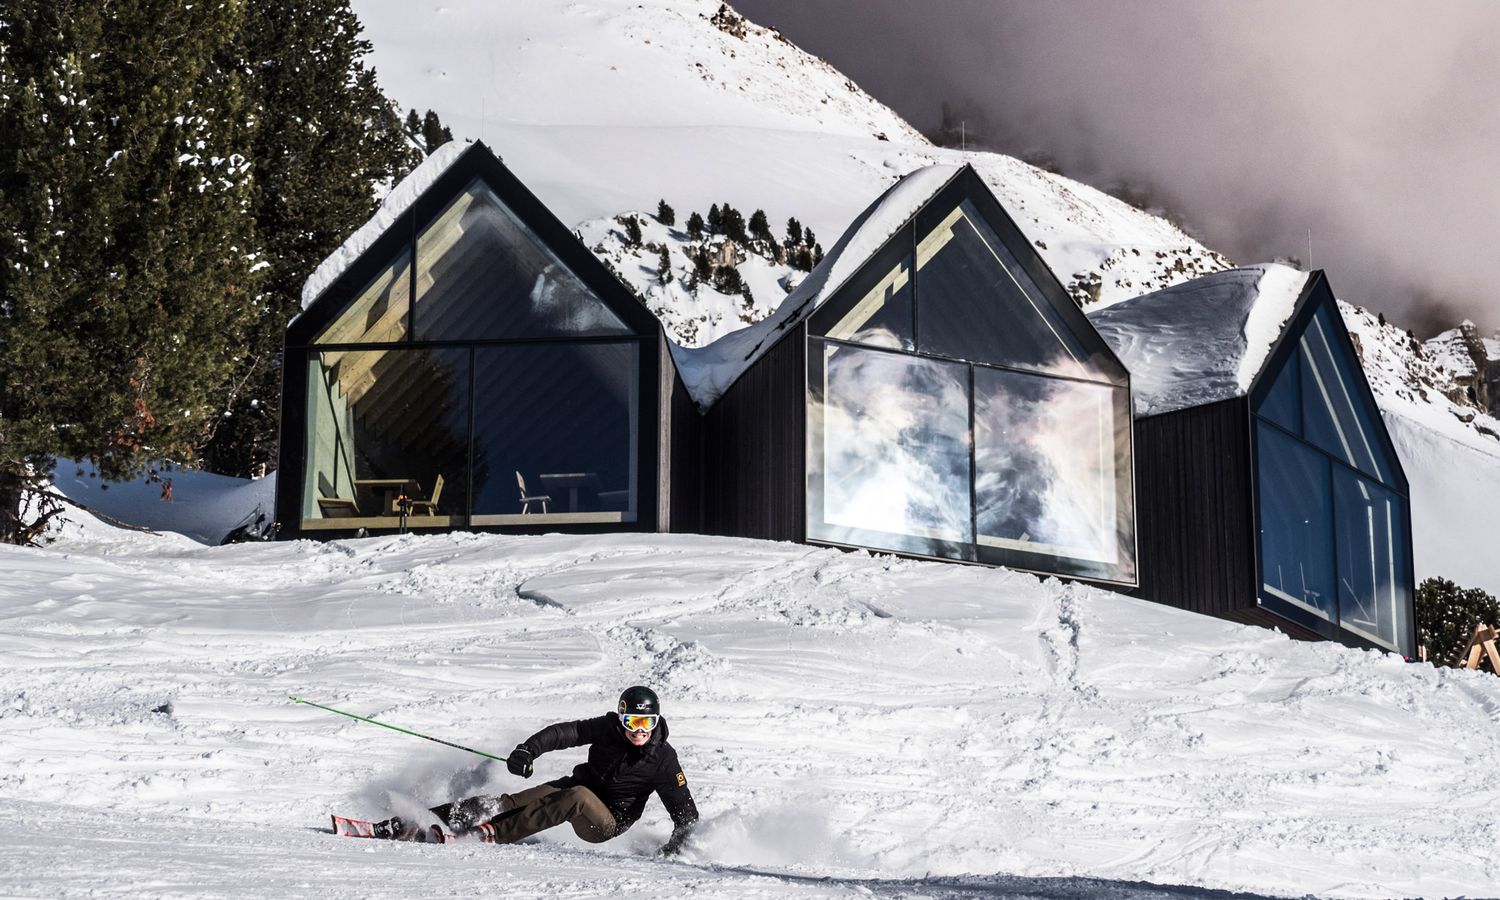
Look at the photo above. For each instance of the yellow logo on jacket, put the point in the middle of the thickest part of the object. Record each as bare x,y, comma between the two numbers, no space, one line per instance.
681,780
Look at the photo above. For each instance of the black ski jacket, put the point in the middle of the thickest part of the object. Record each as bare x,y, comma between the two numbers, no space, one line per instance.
622,774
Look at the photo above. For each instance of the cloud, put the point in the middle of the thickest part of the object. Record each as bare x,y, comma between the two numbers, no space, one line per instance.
1367,130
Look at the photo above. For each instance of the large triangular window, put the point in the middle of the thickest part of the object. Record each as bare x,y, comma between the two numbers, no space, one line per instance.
379,313
976,302
957,409
1336,414
482,274
1332,518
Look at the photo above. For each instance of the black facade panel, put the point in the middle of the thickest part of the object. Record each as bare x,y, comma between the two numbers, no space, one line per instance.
1194,519
755,449
682,460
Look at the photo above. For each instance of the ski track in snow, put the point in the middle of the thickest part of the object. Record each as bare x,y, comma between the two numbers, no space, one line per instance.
851,724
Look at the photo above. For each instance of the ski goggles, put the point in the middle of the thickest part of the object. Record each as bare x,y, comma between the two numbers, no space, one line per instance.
638,723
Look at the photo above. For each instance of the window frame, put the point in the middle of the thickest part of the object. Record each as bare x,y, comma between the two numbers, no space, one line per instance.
476,162
1316,295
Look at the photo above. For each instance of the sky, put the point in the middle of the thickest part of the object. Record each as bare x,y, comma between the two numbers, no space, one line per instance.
1361,138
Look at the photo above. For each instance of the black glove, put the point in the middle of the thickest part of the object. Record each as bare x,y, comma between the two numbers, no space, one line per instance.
675,842
519,762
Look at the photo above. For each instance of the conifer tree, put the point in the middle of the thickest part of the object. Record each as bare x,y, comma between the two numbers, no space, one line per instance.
715,220
125,227
793,233
665,214
664,267
695,226
325,138
760,229
632,231
702,268
733,224
434,133
727,279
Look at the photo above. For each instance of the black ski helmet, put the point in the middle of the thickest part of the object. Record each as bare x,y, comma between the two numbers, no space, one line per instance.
639,701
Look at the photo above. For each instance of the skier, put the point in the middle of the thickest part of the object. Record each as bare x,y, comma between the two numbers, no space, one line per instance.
629,758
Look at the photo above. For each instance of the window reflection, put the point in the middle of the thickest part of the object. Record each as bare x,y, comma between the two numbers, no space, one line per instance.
1046,464
555,433
976,302
378,314
882,317
1283,403
889,452
387,428
1335,414
482,274
1295,518
1371,548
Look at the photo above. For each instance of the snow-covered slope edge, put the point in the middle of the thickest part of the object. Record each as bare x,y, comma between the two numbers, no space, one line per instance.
839,716
606,106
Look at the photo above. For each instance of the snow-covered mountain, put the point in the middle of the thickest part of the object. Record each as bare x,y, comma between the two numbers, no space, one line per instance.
606,107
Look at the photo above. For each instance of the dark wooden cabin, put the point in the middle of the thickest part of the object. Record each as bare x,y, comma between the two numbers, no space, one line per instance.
475,366
1269,491
930,390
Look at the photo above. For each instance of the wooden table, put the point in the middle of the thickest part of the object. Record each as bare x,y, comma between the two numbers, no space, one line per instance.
554,482
393,488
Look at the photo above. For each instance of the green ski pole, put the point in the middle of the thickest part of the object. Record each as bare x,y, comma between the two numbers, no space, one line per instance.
424,737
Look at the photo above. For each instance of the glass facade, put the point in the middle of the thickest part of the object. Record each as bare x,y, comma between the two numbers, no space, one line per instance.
507,394
891,469
562,420
978,303
1335,416
1048,462
481,274
1296,510
1332,521
953,412
384,424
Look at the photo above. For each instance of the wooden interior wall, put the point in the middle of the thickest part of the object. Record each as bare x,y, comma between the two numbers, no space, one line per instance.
1194,519
754,449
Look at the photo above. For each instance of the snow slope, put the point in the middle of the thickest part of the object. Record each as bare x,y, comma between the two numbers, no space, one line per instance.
849,724
607,106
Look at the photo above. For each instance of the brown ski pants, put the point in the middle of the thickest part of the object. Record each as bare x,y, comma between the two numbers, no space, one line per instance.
548,805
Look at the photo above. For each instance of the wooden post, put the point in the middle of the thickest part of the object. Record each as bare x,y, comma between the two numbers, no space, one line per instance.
1482,643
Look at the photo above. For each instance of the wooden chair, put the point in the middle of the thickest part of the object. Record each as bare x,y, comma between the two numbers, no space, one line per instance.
528,499
337,508
431,503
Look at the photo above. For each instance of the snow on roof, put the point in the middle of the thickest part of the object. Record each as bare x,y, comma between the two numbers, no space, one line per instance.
709,371
1201,341
398,201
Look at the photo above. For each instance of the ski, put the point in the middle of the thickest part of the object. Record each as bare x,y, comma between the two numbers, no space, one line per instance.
347,827
353,827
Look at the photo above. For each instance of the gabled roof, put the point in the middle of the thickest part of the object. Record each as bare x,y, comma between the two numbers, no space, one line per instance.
709,371
1204,340
398,201
416,200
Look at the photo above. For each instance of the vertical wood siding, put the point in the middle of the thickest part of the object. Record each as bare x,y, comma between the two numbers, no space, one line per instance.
682,458
1193,509
754,443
